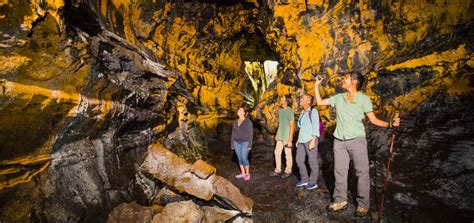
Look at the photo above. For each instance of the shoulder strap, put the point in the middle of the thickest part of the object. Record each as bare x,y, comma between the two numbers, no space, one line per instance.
310,118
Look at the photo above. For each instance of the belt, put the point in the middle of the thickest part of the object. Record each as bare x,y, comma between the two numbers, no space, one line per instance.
345,140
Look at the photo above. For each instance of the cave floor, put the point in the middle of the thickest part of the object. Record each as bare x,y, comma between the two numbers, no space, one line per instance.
275,199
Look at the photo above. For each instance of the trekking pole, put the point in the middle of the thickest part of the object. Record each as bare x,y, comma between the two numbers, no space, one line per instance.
389,161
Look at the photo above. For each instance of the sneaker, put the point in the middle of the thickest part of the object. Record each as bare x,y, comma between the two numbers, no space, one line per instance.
361,212
285,175
311,186
240,176
337,206
274,174
301,183
247,177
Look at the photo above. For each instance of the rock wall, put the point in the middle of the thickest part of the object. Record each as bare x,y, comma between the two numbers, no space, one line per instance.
425,43
86,86
81,103
201,41
418,59
76,116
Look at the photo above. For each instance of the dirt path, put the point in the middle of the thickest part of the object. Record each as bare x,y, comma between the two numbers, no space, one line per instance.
277,200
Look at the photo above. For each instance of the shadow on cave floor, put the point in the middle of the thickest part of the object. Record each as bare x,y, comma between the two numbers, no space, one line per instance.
277,200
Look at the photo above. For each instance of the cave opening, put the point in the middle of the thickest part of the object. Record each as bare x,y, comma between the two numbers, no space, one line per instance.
260,67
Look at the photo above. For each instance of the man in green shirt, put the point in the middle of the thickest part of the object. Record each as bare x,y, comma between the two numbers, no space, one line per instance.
284,138
350,141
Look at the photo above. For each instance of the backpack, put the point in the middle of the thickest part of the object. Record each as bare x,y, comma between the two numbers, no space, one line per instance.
321,124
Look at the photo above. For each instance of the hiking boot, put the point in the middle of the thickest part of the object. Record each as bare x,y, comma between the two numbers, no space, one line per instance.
285,175
240,176
311,186
301,183
274,174
337,206
247,177
361,212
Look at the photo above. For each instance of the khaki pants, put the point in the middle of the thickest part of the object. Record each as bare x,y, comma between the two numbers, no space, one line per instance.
344,151
288,156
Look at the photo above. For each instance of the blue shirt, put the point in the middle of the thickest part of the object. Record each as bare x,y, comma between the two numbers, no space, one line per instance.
308,128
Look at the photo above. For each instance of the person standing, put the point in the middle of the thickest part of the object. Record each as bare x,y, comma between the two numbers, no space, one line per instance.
307,143
241,142
284,138
350,139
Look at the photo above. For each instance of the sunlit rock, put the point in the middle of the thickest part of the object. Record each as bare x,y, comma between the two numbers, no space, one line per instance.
176,172
130,212
166,196
184,211
229,194
202,169
215,214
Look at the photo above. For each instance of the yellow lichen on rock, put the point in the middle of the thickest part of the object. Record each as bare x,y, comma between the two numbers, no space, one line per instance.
104,7
322,34
221,97
119,3
445,66
51,7
177,41
460,86
282,89
434,59
210,121
9,64
23,178
444,81
21,170
230,60
26,92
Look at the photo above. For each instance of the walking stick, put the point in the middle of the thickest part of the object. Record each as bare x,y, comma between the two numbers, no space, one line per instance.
387,172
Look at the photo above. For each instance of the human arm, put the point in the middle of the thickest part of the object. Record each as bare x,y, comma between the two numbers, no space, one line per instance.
314,128
368,109
374,120
278,128
250,131
232,136
290,137
291,118
319,100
